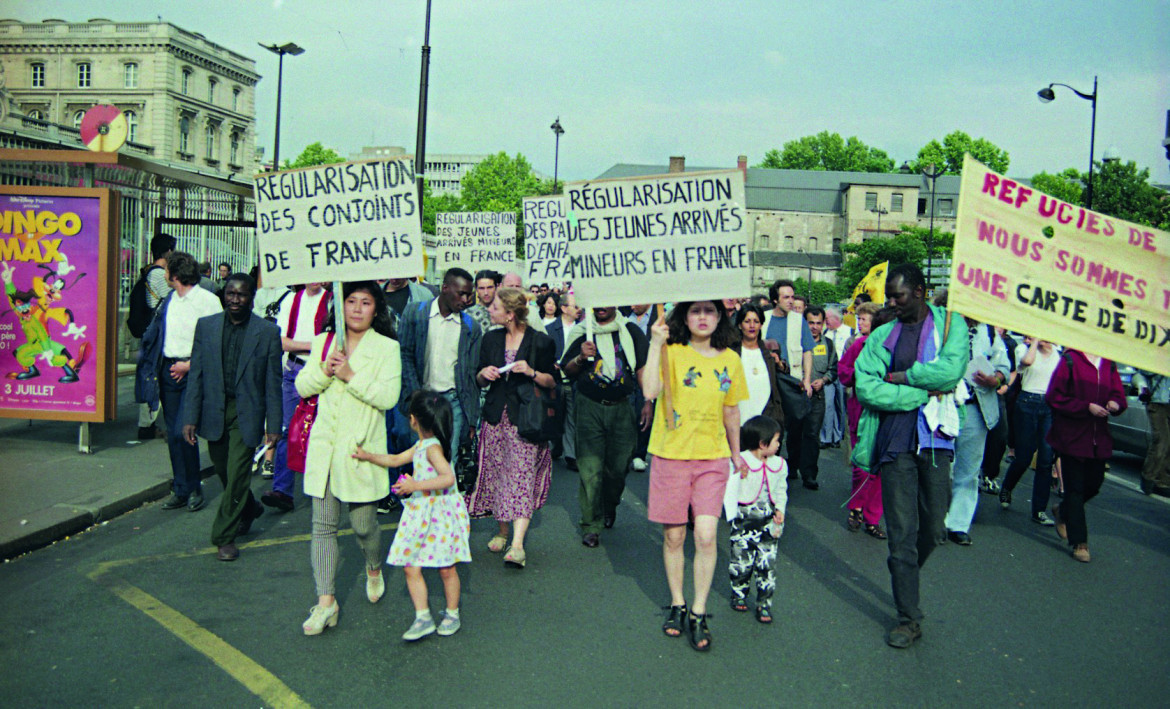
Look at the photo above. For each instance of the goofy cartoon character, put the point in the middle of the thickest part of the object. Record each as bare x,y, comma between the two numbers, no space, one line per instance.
33,311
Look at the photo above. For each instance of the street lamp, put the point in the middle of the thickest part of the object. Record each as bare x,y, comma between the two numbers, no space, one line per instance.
809,256
931,173
1047,95
879,211
280,50
557,131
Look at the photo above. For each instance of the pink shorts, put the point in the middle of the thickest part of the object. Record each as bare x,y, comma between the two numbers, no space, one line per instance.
676,485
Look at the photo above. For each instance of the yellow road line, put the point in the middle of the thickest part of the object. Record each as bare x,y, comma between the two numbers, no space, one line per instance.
239,666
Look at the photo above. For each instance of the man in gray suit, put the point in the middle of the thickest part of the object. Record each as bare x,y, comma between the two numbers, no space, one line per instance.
234,400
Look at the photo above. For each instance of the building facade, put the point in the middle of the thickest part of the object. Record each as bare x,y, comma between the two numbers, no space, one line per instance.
444,172
799,220
186,99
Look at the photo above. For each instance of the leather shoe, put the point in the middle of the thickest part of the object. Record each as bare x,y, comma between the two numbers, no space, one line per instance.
610,520
277,499
228,552
1147,486
812,485
961,538
251,514
195,502
591,540
174,502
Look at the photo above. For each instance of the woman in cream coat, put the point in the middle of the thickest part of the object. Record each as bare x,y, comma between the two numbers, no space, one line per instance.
354,391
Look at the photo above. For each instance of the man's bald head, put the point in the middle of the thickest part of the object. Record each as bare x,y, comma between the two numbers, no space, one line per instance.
512,280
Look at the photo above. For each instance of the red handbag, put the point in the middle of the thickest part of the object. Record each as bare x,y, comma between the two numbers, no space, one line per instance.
302,423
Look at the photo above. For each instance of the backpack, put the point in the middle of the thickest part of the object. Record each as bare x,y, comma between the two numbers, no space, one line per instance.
140,312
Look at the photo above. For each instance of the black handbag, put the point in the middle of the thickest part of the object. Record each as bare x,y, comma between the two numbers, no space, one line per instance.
541,414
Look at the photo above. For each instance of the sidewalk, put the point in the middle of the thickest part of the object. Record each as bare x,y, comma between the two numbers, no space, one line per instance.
51,491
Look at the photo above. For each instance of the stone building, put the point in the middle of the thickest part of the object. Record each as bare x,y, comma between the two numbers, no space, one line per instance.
186,99
444,172
799,220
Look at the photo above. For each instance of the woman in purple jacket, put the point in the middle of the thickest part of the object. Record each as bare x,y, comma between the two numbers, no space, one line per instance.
1084,390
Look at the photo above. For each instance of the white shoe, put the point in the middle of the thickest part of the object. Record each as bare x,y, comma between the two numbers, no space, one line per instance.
375,587
639,465
420,628
320,618
449,625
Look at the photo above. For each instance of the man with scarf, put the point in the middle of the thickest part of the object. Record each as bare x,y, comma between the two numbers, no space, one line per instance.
605,359
905,379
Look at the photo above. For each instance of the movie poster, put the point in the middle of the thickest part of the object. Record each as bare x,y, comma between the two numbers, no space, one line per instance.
50,324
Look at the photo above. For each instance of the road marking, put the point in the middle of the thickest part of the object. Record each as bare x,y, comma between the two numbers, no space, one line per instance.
265,685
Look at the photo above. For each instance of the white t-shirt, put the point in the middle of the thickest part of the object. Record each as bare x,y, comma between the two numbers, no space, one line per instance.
182,314
1035,377
306,330
759,387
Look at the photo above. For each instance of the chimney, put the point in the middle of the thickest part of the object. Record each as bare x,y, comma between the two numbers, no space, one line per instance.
678,163
741,163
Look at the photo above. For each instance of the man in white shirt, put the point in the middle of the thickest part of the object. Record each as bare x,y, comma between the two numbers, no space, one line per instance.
302,317
180,311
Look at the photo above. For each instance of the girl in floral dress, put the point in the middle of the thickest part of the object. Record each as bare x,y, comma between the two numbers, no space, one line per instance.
434,527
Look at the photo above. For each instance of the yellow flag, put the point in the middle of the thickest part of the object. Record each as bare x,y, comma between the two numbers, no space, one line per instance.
873,285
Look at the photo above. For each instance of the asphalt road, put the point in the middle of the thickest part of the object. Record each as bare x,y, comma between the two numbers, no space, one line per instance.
137,612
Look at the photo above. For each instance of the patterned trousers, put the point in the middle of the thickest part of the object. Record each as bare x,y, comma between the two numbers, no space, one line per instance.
753,551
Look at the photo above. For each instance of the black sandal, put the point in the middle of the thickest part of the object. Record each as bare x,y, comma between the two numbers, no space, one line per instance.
874,531
674,620
764,615
698,631
739,605
855,520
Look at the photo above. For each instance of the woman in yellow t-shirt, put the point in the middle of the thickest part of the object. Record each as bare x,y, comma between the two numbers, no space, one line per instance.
695,434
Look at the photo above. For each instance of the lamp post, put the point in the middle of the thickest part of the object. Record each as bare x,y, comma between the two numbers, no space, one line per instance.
1047,95
931,173
280,50
808,255
420,138
557,131
879,211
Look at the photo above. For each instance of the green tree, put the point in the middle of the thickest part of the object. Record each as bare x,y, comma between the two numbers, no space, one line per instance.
1067,185
1122,190
498,184
315,154
908,246
433,204
828,151
822,292
948,155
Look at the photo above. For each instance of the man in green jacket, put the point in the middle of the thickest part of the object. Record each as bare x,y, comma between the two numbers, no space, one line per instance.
902,366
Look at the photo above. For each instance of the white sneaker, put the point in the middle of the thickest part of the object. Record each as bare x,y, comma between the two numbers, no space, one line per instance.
639,465
449,625
420,628
1041,518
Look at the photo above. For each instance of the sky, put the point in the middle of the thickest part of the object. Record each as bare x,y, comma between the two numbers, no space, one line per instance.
637,82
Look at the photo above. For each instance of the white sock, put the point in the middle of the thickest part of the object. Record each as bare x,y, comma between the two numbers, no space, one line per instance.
454,614
422,615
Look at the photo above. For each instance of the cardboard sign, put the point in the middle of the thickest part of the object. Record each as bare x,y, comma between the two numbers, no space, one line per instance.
344,222
546,240
1029,262
665,238
475,241
58,329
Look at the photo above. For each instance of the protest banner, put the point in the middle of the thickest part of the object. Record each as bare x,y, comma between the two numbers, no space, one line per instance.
59,328
475,241
546,240
1029,262
659,238
343,222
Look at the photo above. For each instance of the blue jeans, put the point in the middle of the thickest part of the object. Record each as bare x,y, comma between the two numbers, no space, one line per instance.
283,479
184,456
965,473
1033,419
914,490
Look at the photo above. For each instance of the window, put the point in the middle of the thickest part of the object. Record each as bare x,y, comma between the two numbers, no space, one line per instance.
896,202
130,75
921,206
211,90
77,118
870,201
788,243
836,244
84,74
210,142
38,76
812,244
184,135
763,241
769,274
131,126
235,99
235,146
946,207
185,87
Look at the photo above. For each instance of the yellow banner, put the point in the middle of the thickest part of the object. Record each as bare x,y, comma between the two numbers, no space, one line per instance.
1031,263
